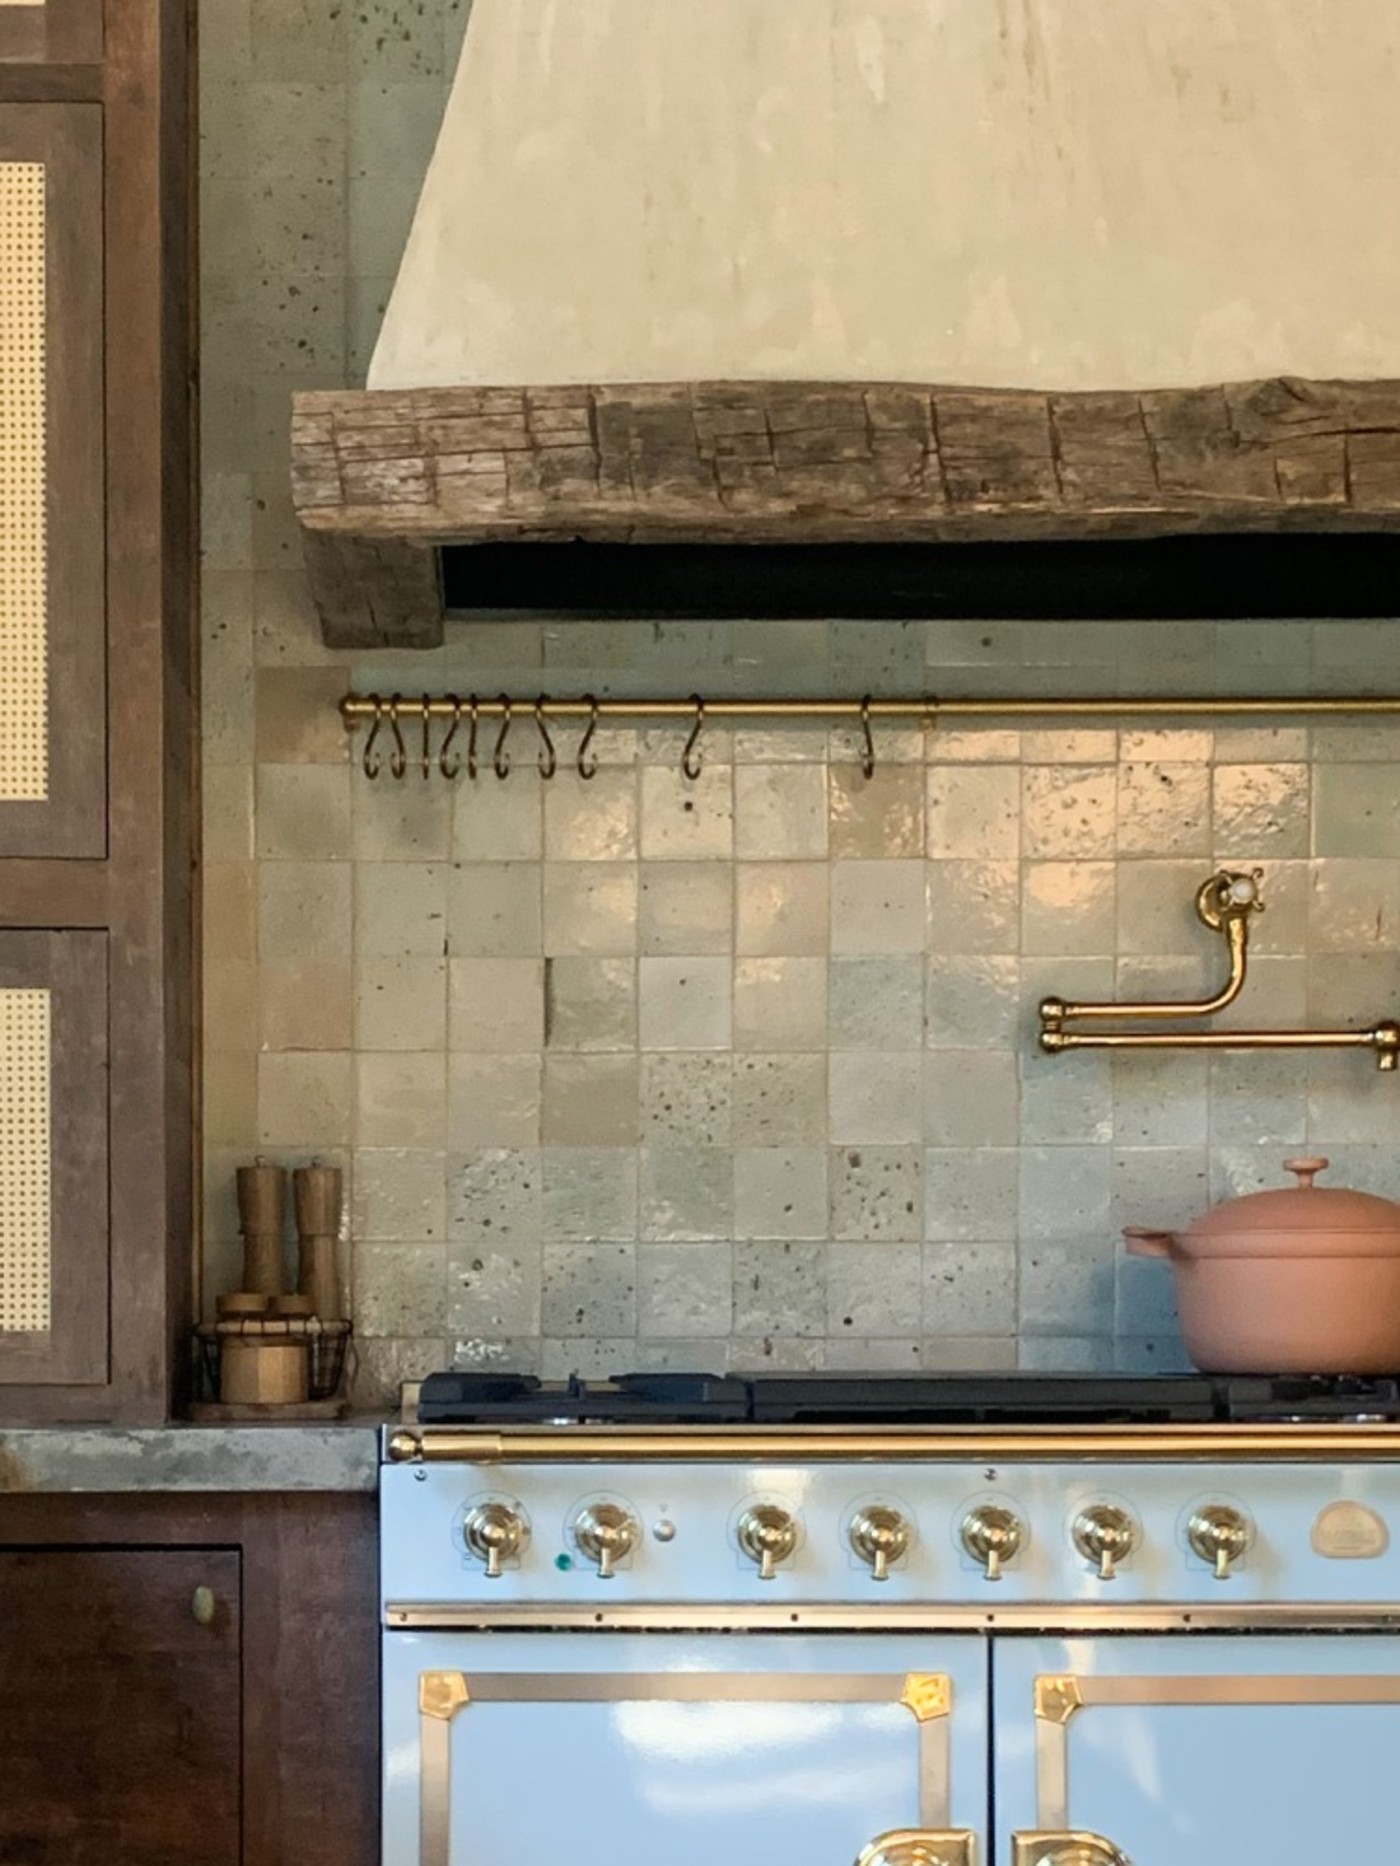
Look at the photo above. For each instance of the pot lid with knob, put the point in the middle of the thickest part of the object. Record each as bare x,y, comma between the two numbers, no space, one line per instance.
1305,1218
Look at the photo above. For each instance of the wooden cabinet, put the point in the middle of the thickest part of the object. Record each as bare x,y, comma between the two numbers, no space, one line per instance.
146,1723
54,32
120,1700
97,597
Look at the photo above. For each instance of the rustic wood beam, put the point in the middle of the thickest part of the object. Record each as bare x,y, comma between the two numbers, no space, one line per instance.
381,479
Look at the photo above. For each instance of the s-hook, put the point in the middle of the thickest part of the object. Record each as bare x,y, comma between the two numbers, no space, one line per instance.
450,767
691,761
427,752
588,767
867,756
548,761
398,758
369,762
500,762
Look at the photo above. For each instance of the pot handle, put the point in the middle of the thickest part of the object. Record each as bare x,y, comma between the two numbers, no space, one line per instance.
1306,1170
1145,1243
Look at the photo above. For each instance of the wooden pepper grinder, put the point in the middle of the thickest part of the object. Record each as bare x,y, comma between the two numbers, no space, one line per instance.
262,1210
318,1203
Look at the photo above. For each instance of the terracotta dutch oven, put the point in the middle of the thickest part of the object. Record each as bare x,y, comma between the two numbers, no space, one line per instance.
1304,1279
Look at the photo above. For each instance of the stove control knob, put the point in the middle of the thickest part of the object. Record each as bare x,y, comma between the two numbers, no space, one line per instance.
991,1535
879,1535
1104,1535
1219,1535
606,1533
493,1532
767,1535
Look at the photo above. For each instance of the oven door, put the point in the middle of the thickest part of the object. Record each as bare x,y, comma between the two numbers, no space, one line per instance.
1186,1747
601,1749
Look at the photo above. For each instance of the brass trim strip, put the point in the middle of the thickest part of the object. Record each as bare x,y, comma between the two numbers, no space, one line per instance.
1092,1690
440,1696
1280,1688
686,1688
924,1616
1281,1444
448,1692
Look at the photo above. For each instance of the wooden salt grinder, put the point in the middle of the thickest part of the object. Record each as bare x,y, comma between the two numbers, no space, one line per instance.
262,1210
318,1202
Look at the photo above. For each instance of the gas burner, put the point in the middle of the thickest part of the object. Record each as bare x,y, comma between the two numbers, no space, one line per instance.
908,1399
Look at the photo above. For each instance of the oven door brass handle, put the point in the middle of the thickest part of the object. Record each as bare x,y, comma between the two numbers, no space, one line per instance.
921,1846
1065,1849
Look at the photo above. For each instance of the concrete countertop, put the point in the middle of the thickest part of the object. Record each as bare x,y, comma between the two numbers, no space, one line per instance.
339,1457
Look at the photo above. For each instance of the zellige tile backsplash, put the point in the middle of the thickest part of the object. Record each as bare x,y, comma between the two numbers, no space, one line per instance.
738,1072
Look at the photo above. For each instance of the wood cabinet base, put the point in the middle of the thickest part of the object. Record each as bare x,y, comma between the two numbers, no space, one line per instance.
189,1678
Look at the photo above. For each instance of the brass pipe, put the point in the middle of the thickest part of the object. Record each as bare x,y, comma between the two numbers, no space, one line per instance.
1383,1038
1054,1011
356,708
1283,1443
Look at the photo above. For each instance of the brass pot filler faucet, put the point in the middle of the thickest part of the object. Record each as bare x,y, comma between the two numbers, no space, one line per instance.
1225,902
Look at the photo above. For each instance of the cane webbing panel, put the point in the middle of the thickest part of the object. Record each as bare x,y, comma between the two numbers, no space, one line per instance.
23,544
25,1225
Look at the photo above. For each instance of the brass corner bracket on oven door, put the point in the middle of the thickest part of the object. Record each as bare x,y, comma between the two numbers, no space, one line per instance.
1225,902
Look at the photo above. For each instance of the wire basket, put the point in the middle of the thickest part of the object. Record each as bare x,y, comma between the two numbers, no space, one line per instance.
327,1346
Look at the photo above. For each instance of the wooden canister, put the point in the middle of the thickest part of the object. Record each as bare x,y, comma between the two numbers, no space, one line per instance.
262,1211
318,1193
262,1373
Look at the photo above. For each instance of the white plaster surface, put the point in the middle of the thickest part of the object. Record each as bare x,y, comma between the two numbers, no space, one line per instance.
1057,193
191,1458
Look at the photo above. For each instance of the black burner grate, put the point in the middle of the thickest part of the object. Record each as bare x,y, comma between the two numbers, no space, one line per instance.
903,1400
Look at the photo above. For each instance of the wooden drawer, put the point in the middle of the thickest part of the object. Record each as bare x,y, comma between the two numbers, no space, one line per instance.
50,32
121,1707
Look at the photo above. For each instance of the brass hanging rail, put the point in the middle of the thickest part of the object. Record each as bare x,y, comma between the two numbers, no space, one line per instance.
388,715
359,708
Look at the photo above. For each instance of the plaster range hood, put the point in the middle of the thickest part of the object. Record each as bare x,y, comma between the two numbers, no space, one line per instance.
894,271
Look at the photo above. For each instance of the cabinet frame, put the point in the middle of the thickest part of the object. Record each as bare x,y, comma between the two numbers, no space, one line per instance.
71,820
58,32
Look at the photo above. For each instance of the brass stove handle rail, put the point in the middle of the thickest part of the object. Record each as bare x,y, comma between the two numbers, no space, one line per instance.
1225,902
1155,1444
1065,1849
921,1846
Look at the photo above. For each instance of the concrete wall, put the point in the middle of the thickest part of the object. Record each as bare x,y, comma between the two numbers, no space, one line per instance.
1029,193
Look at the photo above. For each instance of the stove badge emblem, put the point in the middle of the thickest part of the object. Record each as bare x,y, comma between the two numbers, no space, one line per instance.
1349,1532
